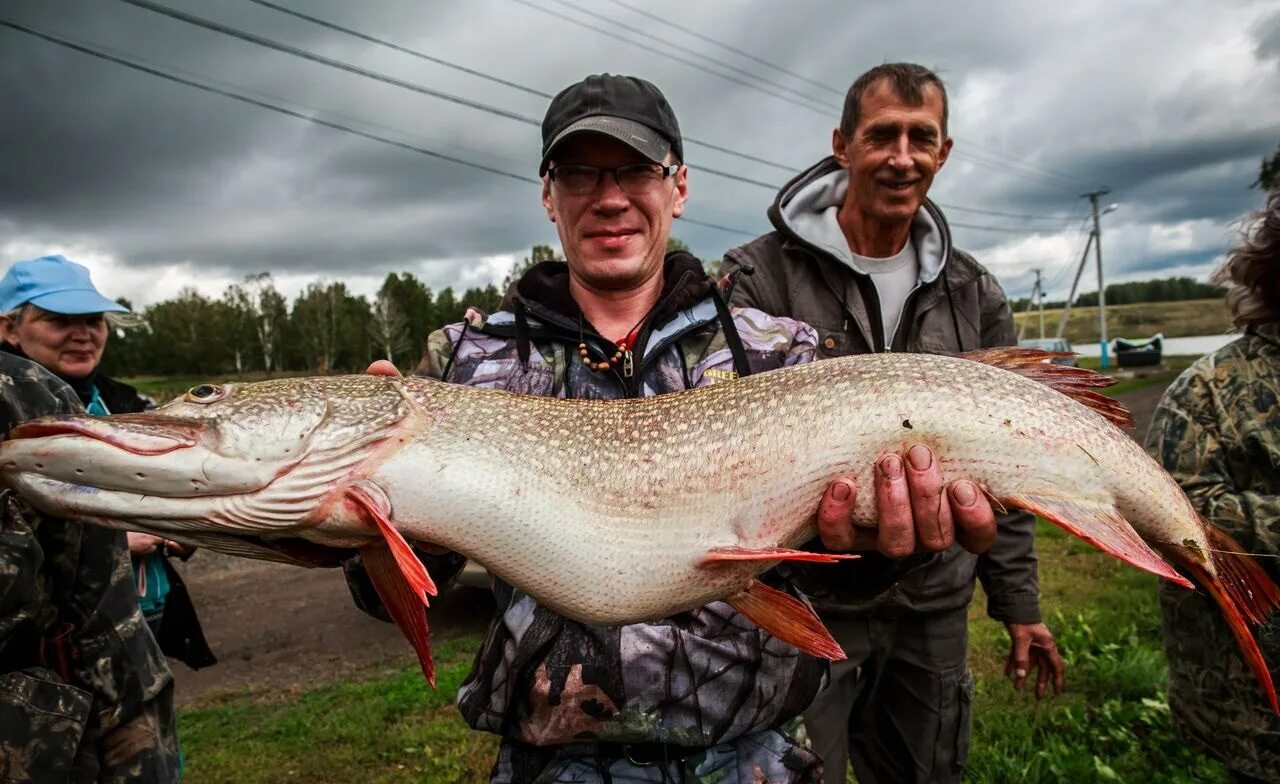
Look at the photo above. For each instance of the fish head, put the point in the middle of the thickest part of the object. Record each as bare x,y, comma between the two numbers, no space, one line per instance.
233,458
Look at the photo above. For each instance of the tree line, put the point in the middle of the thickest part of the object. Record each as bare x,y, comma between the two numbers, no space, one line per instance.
1160,290
252,328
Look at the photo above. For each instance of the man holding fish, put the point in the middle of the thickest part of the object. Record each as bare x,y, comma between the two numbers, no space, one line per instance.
705,695
860,254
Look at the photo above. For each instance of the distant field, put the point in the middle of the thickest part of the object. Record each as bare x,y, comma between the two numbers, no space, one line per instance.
1173,319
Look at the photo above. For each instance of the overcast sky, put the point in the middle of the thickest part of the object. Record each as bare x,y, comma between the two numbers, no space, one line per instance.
156,185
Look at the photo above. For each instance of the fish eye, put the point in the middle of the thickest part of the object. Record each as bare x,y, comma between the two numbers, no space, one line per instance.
205,393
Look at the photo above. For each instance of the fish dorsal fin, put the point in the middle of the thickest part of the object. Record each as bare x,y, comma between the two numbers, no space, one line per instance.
1074,382
1101,525
786,618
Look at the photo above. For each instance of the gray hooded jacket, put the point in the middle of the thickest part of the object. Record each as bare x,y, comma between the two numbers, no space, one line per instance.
804,270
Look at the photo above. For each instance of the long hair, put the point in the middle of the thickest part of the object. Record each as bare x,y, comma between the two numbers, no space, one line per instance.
1251,272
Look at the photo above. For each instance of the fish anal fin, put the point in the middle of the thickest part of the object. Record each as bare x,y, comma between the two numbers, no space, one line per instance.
405,604
723,554
1075,382
376,509
786,618
1102,526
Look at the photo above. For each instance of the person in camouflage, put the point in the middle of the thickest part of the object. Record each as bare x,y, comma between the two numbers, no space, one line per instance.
705,695
85,694
1217,431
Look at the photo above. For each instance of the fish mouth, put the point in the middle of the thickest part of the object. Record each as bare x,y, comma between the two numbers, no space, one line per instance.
137,435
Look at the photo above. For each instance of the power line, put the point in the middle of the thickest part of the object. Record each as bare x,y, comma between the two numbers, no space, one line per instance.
823,110
1024,168
1005,229
487,77
1041,216
722,45
380,77
83,49
687,50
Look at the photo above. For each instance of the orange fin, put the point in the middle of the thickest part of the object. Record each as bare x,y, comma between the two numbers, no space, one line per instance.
1074,382
377,509
718,554
405,604
1102,526
1245,594
786,618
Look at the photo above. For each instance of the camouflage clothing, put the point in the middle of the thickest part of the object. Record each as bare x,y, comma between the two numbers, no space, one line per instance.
1217,430
708,683
85,695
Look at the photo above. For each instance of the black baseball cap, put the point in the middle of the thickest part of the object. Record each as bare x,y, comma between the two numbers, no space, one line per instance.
629,109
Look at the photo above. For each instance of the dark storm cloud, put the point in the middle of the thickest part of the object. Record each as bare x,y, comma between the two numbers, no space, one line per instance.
160,176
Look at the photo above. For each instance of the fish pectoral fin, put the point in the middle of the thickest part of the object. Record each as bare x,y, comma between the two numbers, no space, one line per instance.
786,618
1102,526
722,554
376,509
406,605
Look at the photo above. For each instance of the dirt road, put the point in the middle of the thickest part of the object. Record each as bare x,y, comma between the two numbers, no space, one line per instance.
276,627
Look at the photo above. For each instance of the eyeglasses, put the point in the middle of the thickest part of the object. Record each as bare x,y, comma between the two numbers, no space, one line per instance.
635,179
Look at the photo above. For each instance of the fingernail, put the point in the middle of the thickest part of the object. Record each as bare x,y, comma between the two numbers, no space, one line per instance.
840,492
891,467
964,493
920,457
1020,673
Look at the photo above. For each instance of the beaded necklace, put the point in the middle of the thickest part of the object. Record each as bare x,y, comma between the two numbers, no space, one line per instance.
623,353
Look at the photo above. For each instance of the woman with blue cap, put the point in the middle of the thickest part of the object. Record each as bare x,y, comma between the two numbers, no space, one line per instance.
51,313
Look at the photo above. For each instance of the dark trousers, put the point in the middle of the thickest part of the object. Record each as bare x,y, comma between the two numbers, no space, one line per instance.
898,707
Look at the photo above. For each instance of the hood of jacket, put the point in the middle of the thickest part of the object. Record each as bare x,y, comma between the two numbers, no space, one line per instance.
805,212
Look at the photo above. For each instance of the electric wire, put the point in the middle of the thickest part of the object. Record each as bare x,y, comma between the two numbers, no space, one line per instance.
725,46
263,104
488,77
380,77
722,64
823,110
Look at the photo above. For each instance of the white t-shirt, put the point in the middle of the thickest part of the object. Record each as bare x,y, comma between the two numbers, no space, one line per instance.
894,279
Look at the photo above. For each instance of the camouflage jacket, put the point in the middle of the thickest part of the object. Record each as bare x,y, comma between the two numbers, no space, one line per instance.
1217,431
85,695
707,680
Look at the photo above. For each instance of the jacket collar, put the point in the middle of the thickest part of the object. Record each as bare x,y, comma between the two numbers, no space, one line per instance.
543,291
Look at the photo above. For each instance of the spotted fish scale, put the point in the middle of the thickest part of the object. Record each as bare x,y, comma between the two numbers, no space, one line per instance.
613,512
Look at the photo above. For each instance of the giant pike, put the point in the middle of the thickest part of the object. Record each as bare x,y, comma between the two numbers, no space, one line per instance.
613,512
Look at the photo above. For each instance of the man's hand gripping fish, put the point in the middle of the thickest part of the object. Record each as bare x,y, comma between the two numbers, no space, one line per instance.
612,512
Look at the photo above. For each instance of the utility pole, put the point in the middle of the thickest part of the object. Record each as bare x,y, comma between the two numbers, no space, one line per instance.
1036,296
1040,297
1092,196
1066,310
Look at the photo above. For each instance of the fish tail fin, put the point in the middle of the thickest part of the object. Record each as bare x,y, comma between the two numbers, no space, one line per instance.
1246,595
1101,525
788,619
1074,382
405,604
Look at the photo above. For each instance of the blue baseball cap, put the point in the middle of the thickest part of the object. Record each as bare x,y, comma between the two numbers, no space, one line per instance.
56,284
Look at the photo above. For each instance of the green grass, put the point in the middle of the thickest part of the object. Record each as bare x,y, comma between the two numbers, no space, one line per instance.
390,728
1111,724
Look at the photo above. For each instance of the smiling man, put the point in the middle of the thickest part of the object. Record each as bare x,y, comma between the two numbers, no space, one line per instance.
706,695
864,257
